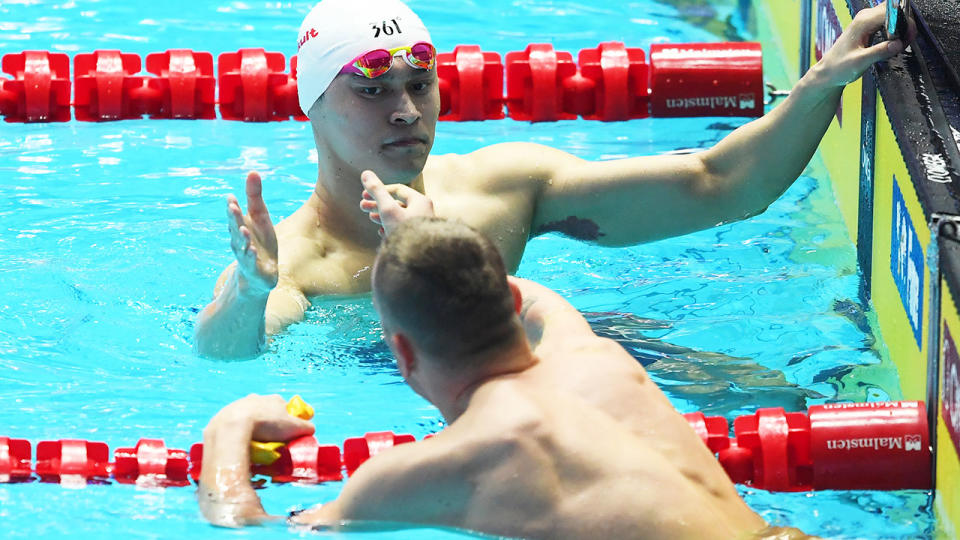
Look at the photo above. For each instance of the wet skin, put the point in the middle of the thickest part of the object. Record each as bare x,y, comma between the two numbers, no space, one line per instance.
509,191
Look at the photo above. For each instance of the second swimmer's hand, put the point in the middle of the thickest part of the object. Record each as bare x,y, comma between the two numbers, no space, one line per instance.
388,206
263,418
224,493
852,53
253,240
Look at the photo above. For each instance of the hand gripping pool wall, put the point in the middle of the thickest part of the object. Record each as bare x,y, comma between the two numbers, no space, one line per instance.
897,131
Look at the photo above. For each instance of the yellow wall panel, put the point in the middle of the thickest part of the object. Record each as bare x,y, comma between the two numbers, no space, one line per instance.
840,147
909,357
948,464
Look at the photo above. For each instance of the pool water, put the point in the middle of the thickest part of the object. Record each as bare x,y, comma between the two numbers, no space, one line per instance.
112,236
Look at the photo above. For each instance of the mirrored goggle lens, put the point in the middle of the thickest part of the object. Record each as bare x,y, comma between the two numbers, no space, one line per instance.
422,54
376,60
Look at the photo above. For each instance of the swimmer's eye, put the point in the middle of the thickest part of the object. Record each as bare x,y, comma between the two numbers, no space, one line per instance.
420,87
369,91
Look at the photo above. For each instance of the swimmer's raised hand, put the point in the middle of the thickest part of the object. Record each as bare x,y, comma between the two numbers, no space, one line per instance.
852,54
253,240
388,206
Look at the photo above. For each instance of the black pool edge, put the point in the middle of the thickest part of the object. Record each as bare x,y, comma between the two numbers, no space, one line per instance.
920,91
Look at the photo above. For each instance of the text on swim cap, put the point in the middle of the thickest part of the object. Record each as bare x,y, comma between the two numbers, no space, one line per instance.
311,33
386,29
382,28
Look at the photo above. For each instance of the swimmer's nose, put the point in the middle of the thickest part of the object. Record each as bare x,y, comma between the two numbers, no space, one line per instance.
406,112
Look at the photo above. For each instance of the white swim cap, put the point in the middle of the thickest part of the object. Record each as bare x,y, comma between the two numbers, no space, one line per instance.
337,31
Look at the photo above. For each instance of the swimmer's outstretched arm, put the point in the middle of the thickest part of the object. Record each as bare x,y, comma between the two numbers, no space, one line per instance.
252,300
622,202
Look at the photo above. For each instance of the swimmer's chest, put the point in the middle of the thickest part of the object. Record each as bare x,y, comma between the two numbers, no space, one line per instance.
321,268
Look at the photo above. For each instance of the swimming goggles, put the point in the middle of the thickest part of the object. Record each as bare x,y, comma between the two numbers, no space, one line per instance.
375,63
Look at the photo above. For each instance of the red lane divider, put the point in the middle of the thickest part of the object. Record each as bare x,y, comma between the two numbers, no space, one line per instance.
780,442
713,430
70,460
471,84
610,82
535,83
359,449
891,436
879,445
883,445
620,80
681,74
40,89
253,86
183,86
14,459
301,460
150,460
103,85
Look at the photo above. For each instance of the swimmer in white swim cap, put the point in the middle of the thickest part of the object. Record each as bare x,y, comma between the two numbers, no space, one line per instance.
372,63
357,37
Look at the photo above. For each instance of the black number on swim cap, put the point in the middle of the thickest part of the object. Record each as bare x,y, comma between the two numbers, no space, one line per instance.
385,28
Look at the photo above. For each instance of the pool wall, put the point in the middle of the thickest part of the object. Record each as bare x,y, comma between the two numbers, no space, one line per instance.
892,157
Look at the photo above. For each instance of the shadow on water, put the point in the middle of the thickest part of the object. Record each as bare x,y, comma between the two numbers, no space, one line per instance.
714,383
719,17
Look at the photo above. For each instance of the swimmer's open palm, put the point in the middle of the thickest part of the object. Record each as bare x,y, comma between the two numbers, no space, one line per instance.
253,239
389,206
852,54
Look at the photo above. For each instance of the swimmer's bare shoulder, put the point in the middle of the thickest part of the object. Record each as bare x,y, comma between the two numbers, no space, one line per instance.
510,165
553,325
494,190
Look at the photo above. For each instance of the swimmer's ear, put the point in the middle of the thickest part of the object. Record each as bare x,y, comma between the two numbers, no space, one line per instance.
517,297
403,350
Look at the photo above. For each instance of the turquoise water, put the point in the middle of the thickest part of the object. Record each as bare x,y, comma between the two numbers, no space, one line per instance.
112,235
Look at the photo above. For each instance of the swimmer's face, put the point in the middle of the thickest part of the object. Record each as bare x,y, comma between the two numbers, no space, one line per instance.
386,124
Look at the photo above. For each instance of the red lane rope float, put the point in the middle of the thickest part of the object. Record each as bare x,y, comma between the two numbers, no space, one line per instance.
103,86
40,89
356,450
253,86
610,82
679,72
881,445
878,445
151,459
471,84
183,85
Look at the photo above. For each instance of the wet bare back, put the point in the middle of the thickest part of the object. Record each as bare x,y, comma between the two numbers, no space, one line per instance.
581,445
